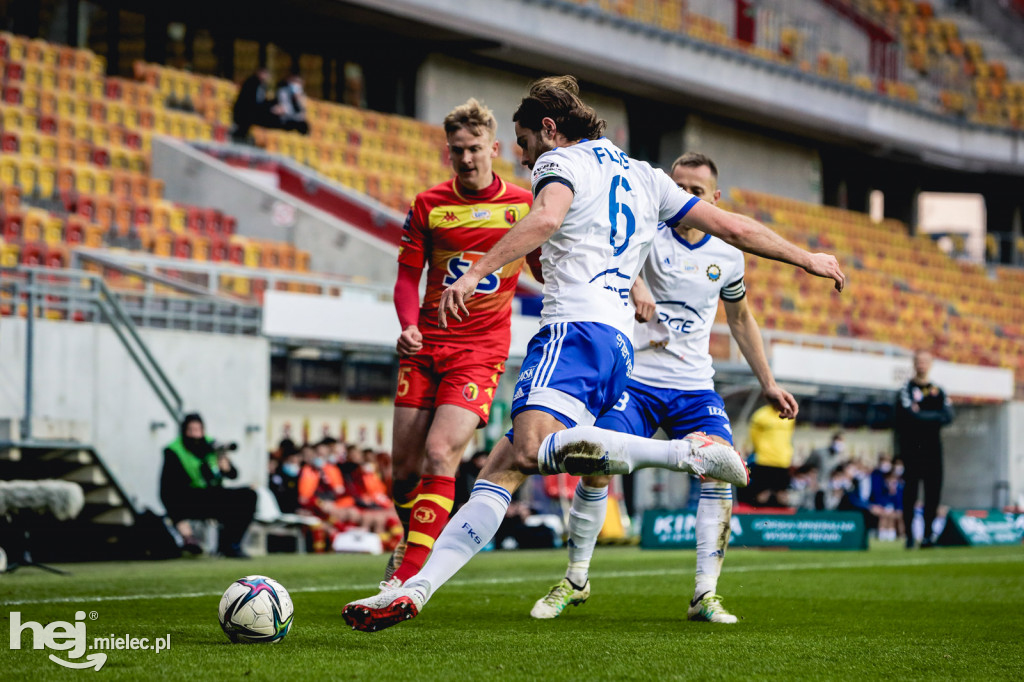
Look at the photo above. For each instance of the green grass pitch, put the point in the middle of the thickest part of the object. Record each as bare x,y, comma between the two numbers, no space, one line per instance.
883,614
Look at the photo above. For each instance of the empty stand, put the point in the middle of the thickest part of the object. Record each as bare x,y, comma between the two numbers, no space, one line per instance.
74,167
903,289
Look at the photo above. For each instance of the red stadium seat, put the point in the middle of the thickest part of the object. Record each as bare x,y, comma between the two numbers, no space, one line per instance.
74,230
183,246
13,222
218,250
33,254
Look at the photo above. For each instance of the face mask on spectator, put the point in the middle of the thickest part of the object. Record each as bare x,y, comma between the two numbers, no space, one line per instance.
899,471
318,462
290,469
839,447
368,467
885,467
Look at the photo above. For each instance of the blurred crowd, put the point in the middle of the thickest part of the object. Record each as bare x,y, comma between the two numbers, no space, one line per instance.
343,485
830,480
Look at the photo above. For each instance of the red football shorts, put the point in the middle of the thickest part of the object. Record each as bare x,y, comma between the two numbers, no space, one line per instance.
450,375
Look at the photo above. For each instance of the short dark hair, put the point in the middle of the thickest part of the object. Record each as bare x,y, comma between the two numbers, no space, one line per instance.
695,160
558,98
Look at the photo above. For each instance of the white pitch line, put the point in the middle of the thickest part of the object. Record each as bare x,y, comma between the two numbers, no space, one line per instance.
934,560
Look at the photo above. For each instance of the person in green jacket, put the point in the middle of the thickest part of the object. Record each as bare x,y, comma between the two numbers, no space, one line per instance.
192,485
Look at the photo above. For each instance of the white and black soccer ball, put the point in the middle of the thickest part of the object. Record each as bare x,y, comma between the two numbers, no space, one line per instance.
256,609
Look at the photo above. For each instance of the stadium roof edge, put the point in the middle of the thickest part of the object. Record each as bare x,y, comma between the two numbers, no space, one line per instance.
714,78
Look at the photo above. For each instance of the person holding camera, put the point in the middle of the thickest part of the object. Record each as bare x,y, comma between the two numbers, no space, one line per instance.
192,485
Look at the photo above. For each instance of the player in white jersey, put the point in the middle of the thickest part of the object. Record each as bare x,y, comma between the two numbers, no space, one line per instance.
672,388
595,214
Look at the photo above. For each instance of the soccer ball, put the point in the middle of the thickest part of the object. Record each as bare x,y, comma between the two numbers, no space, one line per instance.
256,609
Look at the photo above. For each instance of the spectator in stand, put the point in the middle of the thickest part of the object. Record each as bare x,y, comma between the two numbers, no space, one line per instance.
322,491
831,495
889,497
192,486
325,450
843,494
284,448
828,458
803,488
284,483
922,409
254,107
772,438
291,98
881,470
376,511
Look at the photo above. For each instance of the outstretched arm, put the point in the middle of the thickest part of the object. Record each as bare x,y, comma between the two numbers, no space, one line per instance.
549,209
745,330
753,237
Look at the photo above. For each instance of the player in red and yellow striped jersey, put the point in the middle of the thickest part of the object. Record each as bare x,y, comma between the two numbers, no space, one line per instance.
447,377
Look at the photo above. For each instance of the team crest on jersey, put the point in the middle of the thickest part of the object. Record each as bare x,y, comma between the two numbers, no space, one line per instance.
424,515
470,392
511,215
714,272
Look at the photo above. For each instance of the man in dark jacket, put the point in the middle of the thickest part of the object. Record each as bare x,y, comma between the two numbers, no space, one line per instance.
255,105
291,98
191,486
922,409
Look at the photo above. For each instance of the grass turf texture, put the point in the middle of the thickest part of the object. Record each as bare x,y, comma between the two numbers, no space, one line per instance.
886,613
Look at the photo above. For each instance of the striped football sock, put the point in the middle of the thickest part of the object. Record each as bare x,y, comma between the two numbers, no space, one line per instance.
469,531
586,517
714,513
429,515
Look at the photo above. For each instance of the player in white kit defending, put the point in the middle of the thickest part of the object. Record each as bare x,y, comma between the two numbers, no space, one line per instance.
672,387
595,212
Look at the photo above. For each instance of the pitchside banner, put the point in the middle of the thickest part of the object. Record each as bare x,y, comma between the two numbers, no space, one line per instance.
676,529
982,527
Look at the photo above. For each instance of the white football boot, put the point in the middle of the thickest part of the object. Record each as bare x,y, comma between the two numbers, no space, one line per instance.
708,608
390,607
561,595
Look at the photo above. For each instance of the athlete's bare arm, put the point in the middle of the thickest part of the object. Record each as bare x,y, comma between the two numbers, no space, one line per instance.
751,236
549,209
745,330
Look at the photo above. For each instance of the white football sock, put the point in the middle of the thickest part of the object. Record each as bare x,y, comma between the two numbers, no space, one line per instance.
714,512
586,518
636,452
467,532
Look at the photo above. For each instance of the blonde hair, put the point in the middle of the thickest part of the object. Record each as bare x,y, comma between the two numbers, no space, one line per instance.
473,116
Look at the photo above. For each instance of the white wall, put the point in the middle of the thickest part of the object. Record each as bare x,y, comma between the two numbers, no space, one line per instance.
83,373
1015,440
977,454
755,162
